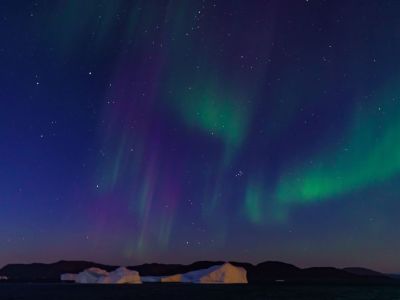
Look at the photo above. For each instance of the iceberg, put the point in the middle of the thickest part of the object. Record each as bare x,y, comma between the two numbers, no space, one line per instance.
168,278
91,275
220,274
95,275
172,278
121,275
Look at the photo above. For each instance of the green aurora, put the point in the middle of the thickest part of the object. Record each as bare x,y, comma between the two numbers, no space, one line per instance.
372,155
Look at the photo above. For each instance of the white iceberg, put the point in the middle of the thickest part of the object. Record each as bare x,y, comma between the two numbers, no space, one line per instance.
219,274
172,278
223,274
120,276
3,278
95,275
91,275
167,278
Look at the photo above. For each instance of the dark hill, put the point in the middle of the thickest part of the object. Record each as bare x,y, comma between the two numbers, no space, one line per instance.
363,272
47,272
265,272
157,269
271,271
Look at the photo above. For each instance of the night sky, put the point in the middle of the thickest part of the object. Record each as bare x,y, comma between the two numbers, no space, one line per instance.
174,131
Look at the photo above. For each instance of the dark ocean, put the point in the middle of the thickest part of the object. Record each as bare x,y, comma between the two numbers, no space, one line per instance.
37,291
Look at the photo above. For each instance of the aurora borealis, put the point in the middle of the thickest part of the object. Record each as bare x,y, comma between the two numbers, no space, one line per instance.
172,131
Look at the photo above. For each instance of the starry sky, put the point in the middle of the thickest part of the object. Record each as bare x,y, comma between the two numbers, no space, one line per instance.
171,131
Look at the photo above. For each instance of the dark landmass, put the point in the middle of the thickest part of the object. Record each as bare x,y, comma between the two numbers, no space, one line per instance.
38,272
265,272
363,272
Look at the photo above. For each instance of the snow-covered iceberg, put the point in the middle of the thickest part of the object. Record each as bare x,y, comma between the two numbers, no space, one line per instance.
120,276
224,274
168,278
95,275
172,278
91,275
